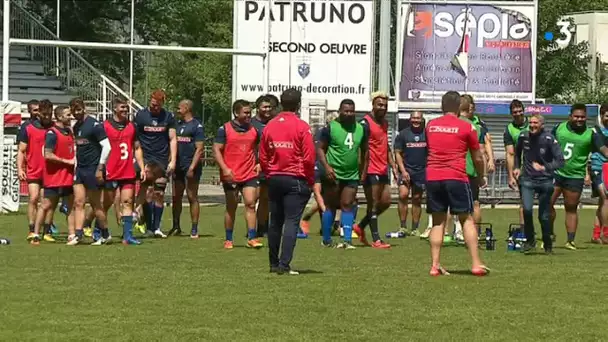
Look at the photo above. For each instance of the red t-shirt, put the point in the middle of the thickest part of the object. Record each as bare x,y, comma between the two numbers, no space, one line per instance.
120,161
378,146
35,151
448,139
239,153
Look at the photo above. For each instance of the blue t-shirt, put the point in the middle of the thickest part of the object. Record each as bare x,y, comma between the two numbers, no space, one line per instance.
188,134
597,158
153,135
411,143
87,134
259,124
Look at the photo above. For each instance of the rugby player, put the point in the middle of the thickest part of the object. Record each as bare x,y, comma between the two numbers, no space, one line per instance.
476,181
342,152
234,151
600,227
187,176
263,115
58,174
92,150
30,163
410,155
577,141
537,156
158,140
120,172
512,132
376,184
449,138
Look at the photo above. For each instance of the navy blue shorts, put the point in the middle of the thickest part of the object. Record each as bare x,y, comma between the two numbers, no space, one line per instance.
262,178
121,184
570,184
453,194
417,181
238,186
376,179
596,181
319,174
60,191
86,176
181,172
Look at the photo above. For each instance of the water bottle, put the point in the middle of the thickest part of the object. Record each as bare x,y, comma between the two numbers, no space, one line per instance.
393,235
5,242
510,245
489,239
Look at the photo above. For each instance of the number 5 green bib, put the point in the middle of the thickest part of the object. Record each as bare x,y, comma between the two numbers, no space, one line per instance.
576,149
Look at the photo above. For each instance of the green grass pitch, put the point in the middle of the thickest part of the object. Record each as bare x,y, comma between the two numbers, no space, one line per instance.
180,289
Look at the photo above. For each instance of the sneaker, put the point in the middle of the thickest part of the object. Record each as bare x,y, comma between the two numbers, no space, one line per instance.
447,239
254,243
140,227
228,245
157,234
282,270
361,233
31,236
414,232
73,240
131,241
597,240
305,227
88,231
328,244
528,248
102,241
480,271
54,230
35,240
345,245
425,234
175,232
194,234
570,245
459,236
438,271
380,245
48,238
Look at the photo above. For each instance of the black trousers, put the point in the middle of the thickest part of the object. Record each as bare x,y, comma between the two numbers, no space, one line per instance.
288,197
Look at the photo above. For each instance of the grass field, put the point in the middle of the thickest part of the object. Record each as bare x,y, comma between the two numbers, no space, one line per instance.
179,289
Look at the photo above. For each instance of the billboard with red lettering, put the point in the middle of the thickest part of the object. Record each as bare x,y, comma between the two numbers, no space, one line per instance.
500,50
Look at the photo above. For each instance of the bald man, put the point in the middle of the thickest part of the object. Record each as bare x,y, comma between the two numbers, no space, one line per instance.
189,168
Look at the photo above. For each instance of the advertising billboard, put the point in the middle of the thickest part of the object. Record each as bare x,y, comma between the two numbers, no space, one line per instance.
500,50
322,47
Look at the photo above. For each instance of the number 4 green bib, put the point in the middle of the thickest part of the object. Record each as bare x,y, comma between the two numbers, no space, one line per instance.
343,149
576,149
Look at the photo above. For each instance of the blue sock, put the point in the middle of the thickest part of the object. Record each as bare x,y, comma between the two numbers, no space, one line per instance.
79,233
327,221
347,225
158,214
194,229
355,209
252,233
127,227
228,235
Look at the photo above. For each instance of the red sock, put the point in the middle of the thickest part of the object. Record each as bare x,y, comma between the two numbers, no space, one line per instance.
605,231
597,232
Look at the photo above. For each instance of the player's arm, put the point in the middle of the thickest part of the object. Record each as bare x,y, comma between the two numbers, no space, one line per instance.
101,136
50,143
399,148
599,143
263,152
172,146
199,144
308,152
482,147
364,155
558,156
139,155
489,150
218,148
322,145
22,138
510,150
519,148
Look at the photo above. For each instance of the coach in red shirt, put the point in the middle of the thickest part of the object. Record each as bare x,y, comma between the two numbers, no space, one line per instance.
287,157
449,138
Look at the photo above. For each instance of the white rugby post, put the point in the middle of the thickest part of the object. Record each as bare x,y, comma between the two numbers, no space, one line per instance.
131,53
6,35
57,19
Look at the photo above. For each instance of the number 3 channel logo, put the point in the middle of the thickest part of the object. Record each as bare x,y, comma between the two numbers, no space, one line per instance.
564,36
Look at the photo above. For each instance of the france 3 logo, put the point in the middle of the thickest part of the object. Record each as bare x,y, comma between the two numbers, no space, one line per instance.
564,35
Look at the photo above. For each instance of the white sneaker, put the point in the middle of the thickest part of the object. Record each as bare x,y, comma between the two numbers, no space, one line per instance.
73,240
102,241
159,234
426,233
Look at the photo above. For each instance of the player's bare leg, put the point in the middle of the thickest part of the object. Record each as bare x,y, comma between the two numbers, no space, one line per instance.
195,207
436,241
250,197
262,210
176,206
231,197
557,191
79,202
571,201
416,210
305,222
476,212
404,194
32,207
115,197
471,239
74,237
380,200
47,205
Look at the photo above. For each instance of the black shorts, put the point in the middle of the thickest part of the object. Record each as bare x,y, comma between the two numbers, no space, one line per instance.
596,182
376,179
121,184
474,184
453,194
60,191
181,172
34,181
570,184
238,186
417,181
262,178
86,176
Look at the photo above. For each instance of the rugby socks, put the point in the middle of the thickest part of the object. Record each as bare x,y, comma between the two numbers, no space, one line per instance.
251,233
47,229
404,224
355,210
87,223
597,232
148,218
31,228
79,233
373,225
105,233
327,221
229,234
415,225
365,221
347,225
194,230
127,227
571,237
158,214
176,223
